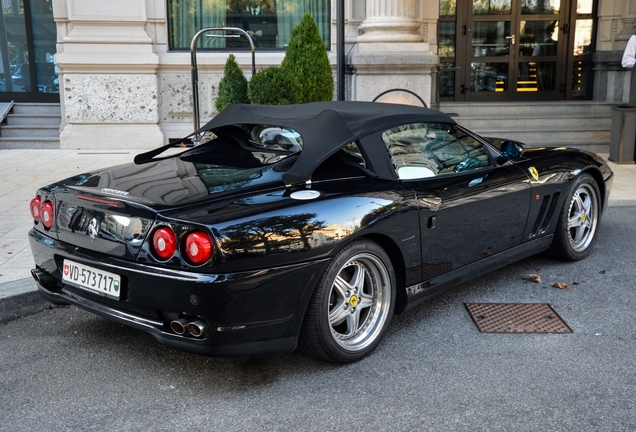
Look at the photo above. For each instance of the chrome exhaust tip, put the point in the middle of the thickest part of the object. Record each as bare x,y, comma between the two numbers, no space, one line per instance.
42,277
179,326
198,329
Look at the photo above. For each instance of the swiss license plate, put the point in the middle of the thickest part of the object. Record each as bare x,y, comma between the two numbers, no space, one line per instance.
92,279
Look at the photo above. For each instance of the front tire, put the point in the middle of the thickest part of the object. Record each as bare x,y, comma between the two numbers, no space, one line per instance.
352,305
578,221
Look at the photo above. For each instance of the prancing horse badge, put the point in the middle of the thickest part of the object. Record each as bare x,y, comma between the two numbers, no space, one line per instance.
534,173
93,229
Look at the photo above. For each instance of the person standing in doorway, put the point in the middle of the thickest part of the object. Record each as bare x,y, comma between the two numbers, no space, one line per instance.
629,56
629,59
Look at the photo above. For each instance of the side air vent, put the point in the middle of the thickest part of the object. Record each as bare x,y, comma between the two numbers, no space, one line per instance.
546,212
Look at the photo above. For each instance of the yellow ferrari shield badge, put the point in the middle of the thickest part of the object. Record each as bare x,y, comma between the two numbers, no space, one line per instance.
534,172
353,301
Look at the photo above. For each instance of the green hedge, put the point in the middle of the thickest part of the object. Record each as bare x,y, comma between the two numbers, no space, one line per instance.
307,61
233,86
304,76
272,86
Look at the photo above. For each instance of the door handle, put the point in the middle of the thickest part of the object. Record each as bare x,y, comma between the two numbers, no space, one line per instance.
511,38
475,182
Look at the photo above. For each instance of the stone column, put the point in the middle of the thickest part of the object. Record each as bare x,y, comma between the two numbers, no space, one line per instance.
108,75
629,28
390,21
393,53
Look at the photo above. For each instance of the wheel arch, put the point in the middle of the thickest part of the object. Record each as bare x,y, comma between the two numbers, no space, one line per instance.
600,183
399,269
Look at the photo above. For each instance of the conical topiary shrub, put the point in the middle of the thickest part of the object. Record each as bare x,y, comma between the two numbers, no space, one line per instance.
233,86
307,62
272,86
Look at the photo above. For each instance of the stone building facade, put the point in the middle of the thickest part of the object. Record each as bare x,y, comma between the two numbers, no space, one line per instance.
121,85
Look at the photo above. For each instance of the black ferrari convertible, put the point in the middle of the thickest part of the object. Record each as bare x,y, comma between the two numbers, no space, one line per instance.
306,225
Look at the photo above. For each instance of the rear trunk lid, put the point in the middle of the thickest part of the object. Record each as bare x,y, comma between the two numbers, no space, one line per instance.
112,210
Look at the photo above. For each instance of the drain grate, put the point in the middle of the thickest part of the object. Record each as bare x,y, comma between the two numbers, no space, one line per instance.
516,318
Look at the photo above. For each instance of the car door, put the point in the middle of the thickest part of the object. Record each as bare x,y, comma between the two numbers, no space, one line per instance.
470,207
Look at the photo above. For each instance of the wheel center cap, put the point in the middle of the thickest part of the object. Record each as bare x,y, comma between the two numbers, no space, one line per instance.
583,217
353,301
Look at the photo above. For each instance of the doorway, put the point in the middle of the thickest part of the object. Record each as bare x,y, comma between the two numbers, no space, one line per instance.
515,50
27,48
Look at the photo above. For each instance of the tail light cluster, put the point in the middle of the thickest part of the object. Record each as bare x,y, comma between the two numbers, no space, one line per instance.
196,247
42,212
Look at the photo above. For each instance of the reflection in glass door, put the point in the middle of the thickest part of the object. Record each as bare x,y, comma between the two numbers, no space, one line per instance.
490,57
27,48
504,50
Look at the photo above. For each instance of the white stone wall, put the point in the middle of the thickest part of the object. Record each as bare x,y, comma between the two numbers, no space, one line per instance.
108,74
616,23
393,51
110,98
123,88
175,106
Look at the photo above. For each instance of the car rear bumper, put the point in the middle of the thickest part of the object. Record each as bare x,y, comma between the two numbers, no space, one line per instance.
250,313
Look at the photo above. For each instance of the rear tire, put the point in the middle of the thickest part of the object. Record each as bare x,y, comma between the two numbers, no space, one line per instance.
352,305
578,221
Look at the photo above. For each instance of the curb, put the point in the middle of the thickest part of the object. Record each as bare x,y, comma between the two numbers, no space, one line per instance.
622,203
20,298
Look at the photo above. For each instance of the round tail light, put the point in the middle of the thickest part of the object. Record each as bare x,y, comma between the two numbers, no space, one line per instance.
164,243
35,208
46,214
198,247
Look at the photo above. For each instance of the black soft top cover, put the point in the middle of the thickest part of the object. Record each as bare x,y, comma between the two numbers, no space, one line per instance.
326,127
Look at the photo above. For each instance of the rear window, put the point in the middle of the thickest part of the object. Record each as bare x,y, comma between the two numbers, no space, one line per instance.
246,146
276,138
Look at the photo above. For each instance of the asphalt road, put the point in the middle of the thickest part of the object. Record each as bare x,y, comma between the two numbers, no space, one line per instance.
65,369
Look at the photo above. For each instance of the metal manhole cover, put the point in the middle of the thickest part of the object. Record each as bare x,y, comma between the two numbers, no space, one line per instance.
516,318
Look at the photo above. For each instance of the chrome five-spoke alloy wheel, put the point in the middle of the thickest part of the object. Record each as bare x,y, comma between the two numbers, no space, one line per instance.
359,300
352,304
582,217
578,220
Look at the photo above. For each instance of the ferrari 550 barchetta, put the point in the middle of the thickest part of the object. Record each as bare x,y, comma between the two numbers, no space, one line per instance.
306,226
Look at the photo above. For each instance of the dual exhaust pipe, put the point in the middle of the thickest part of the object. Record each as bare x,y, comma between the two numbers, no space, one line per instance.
184,326
42,277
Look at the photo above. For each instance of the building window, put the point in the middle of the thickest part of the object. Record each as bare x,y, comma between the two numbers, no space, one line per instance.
269,22
27,49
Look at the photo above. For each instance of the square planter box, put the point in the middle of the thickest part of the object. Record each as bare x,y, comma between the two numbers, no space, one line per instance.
623,139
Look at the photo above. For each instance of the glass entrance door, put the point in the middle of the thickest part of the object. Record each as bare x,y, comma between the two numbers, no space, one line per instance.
514,50
27,48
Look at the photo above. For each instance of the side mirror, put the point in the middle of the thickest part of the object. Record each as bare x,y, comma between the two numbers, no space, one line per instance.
510,150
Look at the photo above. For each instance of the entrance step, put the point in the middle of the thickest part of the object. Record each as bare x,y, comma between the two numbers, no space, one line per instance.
585,125
30,143
32,126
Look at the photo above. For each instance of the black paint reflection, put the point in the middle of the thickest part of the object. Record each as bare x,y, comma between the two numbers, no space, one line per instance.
272,234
